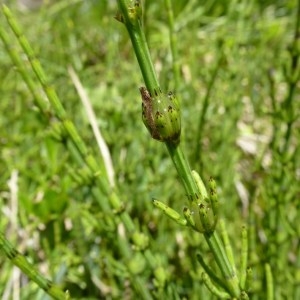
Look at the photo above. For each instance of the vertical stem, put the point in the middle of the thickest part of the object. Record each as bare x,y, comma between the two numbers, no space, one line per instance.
139,43
244,258
270,284
173,43
131,19
292,78
197,153
183,169
223,263
213,240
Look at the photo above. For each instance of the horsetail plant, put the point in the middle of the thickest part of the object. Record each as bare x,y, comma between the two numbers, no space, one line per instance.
161,114
164,125
97,212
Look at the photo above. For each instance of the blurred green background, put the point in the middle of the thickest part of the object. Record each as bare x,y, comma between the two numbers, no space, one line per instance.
240,116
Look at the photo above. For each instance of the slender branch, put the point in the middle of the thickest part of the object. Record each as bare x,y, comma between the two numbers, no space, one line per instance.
173,43
21,262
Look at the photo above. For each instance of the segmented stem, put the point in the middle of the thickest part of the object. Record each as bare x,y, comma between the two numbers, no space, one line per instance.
131,17
29,269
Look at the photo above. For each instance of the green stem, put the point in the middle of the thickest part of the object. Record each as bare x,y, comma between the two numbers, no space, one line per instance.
132,21
211,272
173,43
223,263
244,258
213,240
183,168
204,109
270,283
139,43
21,262
143,56
15,57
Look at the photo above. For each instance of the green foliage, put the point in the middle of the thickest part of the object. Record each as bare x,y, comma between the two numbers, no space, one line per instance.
239,91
